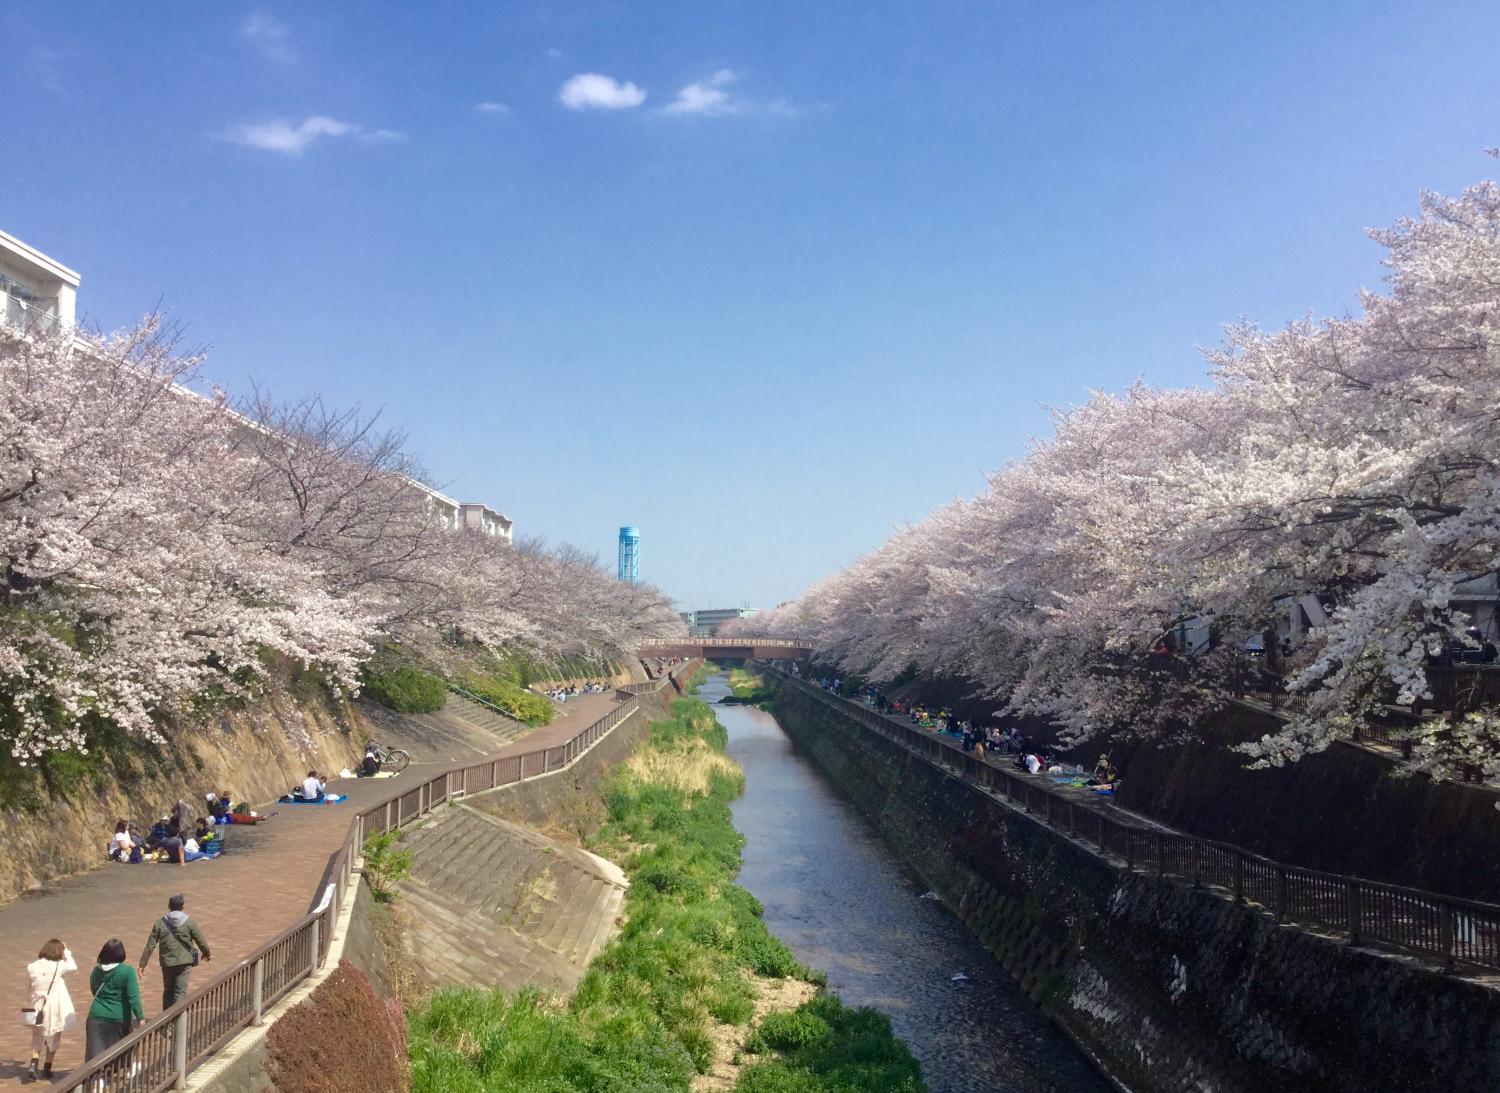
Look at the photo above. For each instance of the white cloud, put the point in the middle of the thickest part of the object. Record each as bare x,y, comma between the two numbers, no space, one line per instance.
270,36
707,98
554,53
498,108
280,135
591,91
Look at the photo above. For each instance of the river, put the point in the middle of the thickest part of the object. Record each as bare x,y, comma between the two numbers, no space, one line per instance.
844,902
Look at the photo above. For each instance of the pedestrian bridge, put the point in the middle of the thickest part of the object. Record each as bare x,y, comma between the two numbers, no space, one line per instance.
728,649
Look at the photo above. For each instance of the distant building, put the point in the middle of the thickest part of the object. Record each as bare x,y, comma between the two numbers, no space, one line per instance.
481,518
38,293
630,554
706,623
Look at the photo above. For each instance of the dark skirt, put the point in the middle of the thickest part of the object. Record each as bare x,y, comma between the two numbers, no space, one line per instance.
101,1034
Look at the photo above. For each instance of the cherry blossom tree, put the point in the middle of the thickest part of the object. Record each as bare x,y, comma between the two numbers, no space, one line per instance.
159,547
1351,460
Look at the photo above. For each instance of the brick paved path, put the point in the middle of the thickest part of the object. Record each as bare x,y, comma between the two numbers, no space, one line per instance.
263,884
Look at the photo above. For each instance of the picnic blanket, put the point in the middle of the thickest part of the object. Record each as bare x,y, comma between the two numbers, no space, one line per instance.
328,799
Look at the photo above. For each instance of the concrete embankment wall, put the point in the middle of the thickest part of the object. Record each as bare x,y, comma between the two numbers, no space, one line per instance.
1168,987
1346,809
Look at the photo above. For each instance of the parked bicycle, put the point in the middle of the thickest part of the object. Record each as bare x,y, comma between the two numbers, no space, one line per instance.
389,759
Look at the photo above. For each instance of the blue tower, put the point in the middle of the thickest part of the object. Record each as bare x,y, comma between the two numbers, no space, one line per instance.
630,554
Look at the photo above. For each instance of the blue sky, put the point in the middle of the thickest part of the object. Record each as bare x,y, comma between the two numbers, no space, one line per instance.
773,279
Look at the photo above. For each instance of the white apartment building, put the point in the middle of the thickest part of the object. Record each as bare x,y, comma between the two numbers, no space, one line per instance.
37,292
40,294
485,520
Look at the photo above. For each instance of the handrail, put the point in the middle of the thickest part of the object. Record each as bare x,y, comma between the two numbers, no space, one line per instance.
486,703
783,643
1450,928
161,1053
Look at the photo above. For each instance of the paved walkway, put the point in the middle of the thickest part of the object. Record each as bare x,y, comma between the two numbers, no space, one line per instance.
264,883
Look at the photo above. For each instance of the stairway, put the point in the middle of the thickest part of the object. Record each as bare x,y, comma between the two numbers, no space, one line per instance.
501,728
495,904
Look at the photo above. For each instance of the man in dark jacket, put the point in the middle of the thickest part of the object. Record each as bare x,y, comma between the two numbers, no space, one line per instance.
180,942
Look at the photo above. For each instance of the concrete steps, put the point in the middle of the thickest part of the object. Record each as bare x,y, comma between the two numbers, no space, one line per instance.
497,904
482,717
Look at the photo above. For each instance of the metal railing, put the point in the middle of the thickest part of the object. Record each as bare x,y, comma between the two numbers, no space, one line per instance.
161,1053
26,316
1447,928
669,643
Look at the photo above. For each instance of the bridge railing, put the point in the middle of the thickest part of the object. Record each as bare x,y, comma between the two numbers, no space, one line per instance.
1447,928
163,1050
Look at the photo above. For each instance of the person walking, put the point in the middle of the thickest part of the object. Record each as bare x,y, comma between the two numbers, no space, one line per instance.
181,943
52,1011
117,1000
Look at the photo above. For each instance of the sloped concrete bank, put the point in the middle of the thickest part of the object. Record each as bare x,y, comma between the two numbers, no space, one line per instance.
1167,987
343,1034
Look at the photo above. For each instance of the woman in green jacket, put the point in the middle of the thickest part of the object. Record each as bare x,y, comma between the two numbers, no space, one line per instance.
117,1000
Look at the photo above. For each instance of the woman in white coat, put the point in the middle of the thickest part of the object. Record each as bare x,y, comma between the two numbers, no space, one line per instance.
51,1003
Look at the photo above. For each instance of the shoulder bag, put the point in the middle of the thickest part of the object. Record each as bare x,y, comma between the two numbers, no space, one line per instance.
188,945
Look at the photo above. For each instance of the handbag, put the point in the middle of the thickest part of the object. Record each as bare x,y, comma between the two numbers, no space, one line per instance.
33,1017
189,946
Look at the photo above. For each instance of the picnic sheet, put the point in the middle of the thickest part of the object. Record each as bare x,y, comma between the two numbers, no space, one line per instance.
329,799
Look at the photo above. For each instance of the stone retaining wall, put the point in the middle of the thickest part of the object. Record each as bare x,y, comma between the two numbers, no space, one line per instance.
1167,987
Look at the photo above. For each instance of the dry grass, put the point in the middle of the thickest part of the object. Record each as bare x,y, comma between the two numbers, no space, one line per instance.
690,767
771,996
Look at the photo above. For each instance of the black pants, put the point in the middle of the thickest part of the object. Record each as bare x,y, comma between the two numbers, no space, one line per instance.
101,1034
174,984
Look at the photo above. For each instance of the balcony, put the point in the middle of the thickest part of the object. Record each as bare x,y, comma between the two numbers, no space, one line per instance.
25,312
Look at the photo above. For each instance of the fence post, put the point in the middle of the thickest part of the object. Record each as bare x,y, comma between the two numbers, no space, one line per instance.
313,936
1239,877
1446,935
1161,854
1197,864
179,1051
1130,849
257,990
387,815
1280,893
1351,896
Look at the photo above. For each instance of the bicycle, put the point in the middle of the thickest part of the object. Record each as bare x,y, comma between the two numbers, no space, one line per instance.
392,759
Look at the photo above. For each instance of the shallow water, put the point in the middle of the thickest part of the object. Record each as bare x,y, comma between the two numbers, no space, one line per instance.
844,903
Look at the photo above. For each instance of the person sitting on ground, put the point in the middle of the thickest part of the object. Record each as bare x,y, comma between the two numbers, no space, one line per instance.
1033,763
311,790
161,830
242,814
218,806
1104,770
121,845
173,849
370,765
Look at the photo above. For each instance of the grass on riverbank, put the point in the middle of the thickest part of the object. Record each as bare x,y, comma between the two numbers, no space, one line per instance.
652,1010
748,688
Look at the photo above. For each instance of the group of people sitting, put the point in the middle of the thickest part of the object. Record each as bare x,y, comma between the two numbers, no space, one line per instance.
561,693
983,741
179,837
